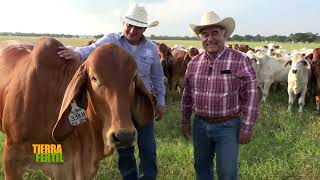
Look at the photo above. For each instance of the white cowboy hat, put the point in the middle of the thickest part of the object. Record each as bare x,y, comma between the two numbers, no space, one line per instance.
212,19
138,16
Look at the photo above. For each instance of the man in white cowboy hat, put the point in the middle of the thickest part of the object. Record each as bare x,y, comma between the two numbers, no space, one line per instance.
221,89
135,22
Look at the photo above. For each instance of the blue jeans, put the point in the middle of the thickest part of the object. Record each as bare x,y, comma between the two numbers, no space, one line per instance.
220,140
147,154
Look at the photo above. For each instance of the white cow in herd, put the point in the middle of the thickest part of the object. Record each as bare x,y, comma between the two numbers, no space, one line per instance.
268,70
298,78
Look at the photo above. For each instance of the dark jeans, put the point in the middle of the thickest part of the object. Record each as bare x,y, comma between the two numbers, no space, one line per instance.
220,140
147,154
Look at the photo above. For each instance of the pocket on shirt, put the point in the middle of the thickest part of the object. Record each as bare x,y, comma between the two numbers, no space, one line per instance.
225,83
144,65
226,91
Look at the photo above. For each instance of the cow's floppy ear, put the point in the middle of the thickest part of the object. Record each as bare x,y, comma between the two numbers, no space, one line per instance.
144,107
75,92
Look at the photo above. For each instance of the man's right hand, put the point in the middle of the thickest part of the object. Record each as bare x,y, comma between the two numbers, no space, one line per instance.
186,132
68,54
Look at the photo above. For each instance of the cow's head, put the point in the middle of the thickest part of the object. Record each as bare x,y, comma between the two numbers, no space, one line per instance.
193,52
165,58
298,64
115,100
164,51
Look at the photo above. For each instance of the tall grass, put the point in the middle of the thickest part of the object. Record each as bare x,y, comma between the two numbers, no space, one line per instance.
285,145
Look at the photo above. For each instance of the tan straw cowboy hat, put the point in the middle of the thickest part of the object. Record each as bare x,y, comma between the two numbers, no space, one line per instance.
138,16
212,19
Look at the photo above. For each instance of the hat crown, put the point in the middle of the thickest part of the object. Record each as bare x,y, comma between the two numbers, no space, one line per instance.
138,13
210,18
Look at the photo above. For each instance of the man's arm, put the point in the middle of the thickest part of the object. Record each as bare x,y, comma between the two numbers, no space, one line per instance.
249,100
186,106
82,53
157,79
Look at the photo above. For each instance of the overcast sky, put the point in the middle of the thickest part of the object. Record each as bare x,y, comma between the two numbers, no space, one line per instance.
92,17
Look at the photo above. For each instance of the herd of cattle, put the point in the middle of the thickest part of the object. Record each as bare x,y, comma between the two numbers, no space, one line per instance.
297,70
39,93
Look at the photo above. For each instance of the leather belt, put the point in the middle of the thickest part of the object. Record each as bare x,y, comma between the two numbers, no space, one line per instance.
219,119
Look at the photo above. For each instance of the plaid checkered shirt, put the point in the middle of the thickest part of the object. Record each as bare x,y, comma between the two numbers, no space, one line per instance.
219,87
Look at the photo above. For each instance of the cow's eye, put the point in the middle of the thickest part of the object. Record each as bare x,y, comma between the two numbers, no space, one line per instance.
93,78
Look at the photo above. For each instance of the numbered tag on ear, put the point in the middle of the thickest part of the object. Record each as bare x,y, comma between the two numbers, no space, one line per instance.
77,115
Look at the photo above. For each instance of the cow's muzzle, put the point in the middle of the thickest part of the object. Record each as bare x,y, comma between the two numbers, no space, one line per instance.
123,139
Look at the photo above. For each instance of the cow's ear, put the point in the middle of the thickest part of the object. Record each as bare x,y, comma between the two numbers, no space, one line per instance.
168,52
288,63
75,92
144,105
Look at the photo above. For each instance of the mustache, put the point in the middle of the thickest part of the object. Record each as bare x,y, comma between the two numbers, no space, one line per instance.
212,42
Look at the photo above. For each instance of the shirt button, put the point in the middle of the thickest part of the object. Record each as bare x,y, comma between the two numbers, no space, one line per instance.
206,107
209,79
207,92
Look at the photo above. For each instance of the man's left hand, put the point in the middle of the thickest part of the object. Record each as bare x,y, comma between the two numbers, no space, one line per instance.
160,109
244,137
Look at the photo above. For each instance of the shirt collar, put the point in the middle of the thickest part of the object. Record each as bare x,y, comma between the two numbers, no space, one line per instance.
142,40
207,57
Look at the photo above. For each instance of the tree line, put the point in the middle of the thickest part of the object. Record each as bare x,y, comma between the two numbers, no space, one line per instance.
296,37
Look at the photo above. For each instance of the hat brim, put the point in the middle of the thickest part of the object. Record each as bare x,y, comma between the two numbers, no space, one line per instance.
227,23
139,24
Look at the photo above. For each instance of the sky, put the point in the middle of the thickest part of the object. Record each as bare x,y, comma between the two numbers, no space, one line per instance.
93,17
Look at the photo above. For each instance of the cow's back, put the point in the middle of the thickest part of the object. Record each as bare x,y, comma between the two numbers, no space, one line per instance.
34,80
12,53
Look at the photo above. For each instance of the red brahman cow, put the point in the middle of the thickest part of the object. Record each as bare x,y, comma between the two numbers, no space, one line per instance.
174,64
315,78
316,54
90,42
41,95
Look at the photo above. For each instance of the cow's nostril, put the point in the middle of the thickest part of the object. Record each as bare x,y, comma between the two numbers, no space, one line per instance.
115,137
123,139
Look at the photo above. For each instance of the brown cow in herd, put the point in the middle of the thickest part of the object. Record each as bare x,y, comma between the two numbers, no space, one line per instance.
90,42
174,64
37,90
315,70
240,47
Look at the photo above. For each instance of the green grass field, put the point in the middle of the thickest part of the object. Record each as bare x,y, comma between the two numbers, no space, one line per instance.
285,145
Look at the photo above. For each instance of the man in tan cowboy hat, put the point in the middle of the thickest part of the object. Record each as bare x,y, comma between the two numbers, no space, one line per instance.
220,88
135,22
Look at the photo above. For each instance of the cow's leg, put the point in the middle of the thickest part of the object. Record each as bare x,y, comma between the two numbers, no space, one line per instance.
302,100
317,98
265,91
181,84
291,99
13,165
171,86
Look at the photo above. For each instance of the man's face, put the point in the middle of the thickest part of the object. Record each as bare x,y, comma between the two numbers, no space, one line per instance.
133,33
212,39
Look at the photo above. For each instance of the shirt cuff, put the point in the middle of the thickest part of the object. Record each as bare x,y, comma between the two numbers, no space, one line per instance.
80,52
160,100
246,128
